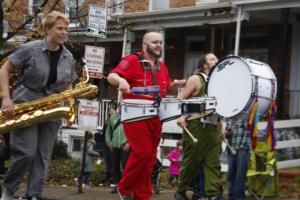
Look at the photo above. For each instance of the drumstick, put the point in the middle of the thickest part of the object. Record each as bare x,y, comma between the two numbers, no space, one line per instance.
190,134
231,150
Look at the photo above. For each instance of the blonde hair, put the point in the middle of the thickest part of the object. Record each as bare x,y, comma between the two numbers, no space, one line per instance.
51,18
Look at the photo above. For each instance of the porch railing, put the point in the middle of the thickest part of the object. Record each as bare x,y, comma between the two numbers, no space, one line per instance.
171,127
281,124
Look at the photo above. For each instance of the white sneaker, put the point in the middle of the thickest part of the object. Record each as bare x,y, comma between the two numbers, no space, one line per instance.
86,185
6,195
76,181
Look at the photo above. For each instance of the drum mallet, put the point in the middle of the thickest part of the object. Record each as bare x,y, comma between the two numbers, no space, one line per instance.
195,140
231,150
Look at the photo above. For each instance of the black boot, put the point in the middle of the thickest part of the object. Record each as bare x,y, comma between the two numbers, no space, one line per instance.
180,196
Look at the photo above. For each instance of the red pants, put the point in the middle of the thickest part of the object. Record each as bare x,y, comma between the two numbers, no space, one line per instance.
143,138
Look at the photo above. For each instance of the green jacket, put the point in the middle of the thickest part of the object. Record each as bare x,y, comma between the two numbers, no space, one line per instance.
115,135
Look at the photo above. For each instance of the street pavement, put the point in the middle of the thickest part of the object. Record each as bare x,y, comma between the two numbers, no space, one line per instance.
103,193
93,193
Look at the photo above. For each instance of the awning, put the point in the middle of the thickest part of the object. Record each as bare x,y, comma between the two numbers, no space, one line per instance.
254,5
181,17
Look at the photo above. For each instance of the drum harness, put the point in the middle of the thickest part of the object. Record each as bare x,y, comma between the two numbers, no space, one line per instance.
210,120
154,68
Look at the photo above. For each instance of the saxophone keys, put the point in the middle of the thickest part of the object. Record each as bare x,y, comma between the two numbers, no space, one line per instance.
38,113
24,117
10,122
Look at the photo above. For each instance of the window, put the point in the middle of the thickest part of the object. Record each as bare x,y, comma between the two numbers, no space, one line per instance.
159,4
5,28
254,46
76,144
33,7
202,2
195,47
36,4
72,11
114,6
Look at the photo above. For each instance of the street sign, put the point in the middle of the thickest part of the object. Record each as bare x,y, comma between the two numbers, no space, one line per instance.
97,21
88,115
94,59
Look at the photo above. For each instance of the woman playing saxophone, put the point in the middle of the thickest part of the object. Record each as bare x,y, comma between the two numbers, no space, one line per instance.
47,68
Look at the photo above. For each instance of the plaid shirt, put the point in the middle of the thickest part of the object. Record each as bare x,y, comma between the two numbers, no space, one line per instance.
237,135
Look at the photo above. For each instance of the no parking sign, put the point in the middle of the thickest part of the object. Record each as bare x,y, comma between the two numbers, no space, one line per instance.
88,115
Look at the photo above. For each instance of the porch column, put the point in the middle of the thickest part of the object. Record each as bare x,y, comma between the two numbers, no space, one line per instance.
126,42
282,59
295,71
212,39
163,33
238,31
125,51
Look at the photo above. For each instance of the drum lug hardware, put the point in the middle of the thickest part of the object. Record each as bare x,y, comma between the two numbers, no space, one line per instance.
184,108
144,110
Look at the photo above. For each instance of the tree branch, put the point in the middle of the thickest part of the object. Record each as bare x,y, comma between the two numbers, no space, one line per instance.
12,34
1,19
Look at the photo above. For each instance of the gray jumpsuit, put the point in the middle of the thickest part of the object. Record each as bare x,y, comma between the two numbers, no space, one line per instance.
31,147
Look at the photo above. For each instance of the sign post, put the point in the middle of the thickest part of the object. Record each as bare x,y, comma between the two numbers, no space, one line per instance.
97,21
82,162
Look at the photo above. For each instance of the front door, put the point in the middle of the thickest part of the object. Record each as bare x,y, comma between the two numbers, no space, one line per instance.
195,47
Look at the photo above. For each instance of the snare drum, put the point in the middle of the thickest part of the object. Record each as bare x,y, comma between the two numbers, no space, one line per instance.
198,107
169,109
237,83
137,109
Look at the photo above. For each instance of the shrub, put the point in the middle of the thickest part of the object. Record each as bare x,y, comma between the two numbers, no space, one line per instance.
63,172
60,150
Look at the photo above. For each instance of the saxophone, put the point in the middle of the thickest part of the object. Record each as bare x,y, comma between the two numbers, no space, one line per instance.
47,108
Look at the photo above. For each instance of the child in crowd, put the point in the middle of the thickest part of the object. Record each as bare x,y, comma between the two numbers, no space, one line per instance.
175,158
89,161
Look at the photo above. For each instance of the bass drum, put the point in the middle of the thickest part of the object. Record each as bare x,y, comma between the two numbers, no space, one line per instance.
237,82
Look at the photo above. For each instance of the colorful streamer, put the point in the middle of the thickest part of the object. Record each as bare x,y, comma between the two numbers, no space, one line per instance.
270,132
253,119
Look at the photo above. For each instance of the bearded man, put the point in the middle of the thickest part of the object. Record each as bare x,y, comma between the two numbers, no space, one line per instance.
141,70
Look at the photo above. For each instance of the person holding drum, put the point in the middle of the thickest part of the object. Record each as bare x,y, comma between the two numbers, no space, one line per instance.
138,70
207,150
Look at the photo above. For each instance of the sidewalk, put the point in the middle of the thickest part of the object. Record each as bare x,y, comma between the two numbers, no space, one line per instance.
103,193
94,193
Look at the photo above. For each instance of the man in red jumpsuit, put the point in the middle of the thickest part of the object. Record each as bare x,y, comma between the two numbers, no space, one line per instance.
143,136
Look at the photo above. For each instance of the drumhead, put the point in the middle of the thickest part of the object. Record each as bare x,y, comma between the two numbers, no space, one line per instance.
196,100
230,82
